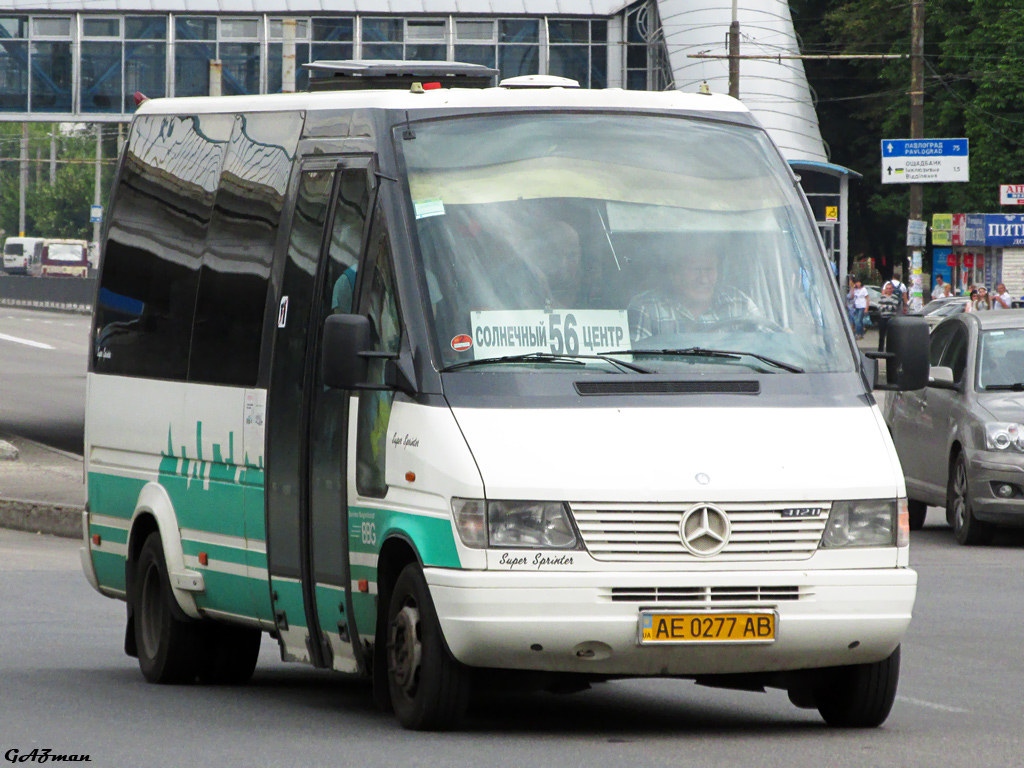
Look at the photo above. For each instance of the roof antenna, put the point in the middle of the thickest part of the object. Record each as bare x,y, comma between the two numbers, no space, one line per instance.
407,133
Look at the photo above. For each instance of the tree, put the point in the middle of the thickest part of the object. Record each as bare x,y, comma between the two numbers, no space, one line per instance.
61,209
974,87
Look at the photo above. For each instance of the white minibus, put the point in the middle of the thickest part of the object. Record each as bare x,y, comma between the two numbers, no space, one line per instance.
23,255
451,387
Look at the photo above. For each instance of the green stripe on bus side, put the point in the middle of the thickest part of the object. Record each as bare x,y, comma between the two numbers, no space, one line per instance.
109,569
109,533
433,537
235,555
228,592
289,600
330,607
364,607
113,495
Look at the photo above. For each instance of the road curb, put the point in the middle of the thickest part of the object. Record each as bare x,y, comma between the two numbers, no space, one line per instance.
40,517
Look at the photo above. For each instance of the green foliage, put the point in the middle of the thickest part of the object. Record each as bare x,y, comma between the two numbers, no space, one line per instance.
974,87
60,209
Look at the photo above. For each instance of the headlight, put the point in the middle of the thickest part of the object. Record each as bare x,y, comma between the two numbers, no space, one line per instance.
1004,436
871,523
527,524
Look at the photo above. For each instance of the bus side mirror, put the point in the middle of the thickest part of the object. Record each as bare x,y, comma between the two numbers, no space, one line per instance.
906,355
345,339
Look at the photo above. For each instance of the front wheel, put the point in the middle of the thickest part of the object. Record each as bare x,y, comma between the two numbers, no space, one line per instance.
429,689
968,529
861,695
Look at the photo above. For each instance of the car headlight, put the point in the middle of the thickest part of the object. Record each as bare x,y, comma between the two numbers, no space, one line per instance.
1004,436
870,523
527,524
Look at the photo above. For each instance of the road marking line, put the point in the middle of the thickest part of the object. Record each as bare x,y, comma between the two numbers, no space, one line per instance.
16,340
932,705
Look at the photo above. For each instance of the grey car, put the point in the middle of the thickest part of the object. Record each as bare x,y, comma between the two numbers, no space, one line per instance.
961,439
937,310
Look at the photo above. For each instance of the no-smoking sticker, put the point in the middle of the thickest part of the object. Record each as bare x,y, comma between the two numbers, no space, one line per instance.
462,342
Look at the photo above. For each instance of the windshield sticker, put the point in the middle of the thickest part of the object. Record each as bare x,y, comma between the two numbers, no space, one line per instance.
558,332
425,208
462,342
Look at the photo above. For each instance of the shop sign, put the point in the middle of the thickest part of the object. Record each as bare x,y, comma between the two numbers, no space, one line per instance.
1004,229
959,225
1011,194
974,229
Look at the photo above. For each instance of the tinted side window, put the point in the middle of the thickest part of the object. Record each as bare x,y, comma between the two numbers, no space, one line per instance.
955,355
162,207
239,249
380,303
937,343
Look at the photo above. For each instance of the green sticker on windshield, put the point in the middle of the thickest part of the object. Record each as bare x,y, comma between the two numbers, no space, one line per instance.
425,208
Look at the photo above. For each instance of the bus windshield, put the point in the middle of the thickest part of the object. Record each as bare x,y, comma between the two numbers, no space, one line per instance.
639,235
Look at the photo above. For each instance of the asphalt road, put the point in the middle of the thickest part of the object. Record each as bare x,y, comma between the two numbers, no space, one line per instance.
42,376
66,685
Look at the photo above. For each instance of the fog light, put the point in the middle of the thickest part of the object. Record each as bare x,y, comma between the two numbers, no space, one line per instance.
1004,490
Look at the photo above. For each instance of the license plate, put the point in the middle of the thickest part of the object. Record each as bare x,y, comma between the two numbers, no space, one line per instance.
707,627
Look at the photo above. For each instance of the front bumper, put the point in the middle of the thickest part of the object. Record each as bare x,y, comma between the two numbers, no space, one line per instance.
568,622
986,468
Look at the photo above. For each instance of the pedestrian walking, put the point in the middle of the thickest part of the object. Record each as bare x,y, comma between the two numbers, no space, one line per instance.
860,308
888,306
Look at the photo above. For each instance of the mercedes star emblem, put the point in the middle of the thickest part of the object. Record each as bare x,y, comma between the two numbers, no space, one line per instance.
705,530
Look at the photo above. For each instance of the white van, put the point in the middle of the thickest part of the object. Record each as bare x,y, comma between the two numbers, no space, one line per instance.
23,255
436,383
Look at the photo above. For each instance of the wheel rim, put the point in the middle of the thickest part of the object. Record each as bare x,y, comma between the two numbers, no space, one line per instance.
959,496
405,651
151,611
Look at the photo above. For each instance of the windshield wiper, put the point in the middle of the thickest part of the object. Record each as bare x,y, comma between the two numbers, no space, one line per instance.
724,354
545,357
1018,387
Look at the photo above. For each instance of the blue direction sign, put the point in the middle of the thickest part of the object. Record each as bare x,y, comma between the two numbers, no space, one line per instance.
916,161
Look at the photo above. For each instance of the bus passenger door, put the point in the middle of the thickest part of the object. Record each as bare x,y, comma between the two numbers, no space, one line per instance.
329,424
307,424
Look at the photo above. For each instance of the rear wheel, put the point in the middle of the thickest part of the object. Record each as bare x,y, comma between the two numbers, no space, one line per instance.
918,512
429,689
861,695
169,647
968,529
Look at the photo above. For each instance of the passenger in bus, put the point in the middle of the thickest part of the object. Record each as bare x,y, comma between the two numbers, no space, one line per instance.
688,297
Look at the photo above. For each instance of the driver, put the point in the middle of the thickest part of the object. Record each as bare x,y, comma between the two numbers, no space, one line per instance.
688,298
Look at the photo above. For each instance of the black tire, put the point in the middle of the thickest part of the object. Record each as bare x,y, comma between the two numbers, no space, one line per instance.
918,512
861,695
229,654
169,647
968,529
429,689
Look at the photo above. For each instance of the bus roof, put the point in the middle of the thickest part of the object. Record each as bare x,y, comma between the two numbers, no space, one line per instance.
450,98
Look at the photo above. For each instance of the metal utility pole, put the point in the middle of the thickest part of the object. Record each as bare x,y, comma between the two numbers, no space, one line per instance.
288,57
99,178
734,52
23,179
916,111
53,154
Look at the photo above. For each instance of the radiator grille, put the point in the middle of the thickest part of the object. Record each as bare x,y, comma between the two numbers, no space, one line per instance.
650,533
704,595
